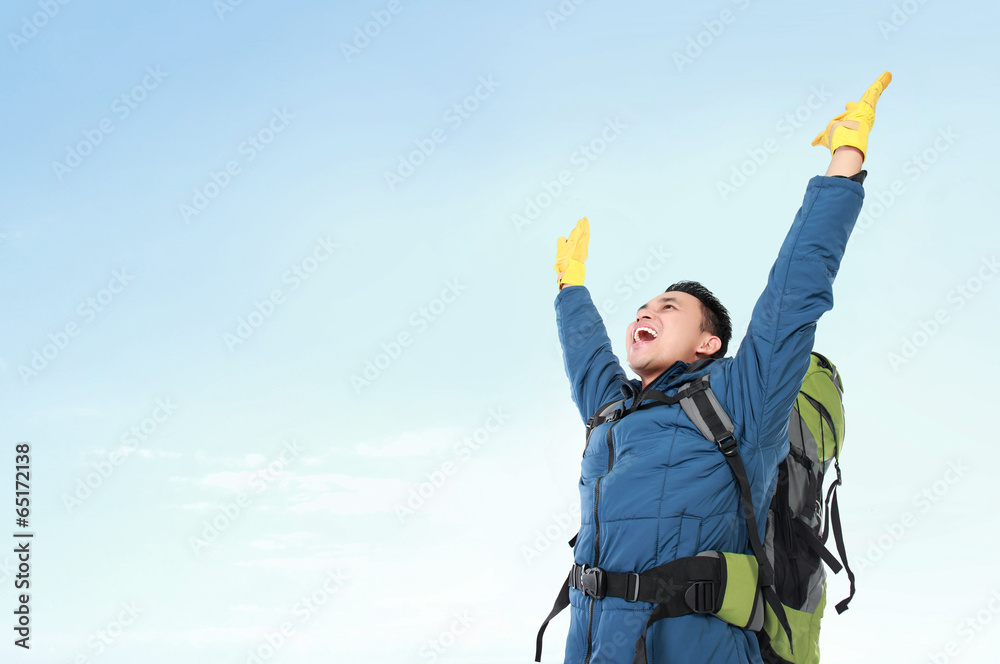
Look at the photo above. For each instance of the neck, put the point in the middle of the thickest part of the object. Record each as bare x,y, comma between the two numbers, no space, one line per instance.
649,380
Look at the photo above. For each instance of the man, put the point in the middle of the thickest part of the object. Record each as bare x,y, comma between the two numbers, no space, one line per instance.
653,489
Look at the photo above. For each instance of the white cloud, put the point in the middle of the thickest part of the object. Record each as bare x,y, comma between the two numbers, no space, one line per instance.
413,443
198,506
282,540
157,454
343,494
323,564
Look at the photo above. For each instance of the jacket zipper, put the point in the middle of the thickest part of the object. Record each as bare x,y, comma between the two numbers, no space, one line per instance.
636,401
597,538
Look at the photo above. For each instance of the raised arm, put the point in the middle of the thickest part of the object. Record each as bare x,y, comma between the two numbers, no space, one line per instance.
774,355
591,366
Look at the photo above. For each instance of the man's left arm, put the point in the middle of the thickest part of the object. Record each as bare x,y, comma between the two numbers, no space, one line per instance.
774,355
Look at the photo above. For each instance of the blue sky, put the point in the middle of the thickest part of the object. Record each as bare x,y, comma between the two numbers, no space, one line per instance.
200,242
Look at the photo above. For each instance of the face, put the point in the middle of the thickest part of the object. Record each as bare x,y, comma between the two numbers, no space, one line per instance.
667,329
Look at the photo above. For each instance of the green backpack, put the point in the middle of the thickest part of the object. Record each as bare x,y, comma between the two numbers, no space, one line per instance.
796,536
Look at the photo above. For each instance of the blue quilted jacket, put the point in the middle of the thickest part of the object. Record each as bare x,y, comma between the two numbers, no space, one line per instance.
661,491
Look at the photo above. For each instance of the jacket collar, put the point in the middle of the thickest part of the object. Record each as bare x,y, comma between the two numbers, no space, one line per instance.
674,376
679,372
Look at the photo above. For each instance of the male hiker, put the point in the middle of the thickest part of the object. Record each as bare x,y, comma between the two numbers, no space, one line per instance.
653,489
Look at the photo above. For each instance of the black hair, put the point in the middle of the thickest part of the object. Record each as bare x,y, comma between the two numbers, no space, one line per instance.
715,319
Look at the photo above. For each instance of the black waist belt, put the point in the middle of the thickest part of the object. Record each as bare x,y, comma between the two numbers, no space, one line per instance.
686,585
678,588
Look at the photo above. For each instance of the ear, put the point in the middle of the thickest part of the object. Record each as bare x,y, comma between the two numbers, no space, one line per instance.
709,347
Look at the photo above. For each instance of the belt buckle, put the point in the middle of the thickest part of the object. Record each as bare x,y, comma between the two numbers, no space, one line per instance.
700,597
594,583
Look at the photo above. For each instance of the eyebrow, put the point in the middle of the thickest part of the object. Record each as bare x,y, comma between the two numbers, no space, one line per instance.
662,299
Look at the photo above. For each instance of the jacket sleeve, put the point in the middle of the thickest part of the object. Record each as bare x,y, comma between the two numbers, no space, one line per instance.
591,366
773,358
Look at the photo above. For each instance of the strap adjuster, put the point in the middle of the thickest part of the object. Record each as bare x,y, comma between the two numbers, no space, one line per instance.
700,597
727,445
593,583
634,595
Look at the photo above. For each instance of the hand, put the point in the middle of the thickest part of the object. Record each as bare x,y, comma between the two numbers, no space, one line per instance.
571,253
852,127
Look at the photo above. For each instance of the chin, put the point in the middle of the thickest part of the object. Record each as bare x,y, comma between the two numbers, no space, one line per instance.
639,366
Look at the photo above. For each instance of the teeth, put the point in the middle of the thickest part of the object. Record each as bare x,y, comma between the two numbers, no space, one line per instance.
635,333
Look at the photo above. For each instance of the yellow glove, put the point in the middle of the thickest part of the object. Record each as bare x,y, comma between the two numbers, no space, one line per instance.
571,253
852,127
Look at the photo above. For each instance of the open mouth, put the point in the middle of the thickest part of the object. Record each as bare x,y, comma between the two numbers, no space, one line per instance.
642,335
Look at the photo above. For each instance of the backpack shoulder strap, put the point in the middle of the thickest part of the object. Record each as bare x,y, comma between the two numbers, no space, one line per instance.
605,413
617,409
703,408
612,410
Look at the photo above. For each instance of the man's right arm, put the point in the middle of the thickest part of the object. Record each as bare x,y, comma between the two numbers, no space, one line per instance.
591,366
